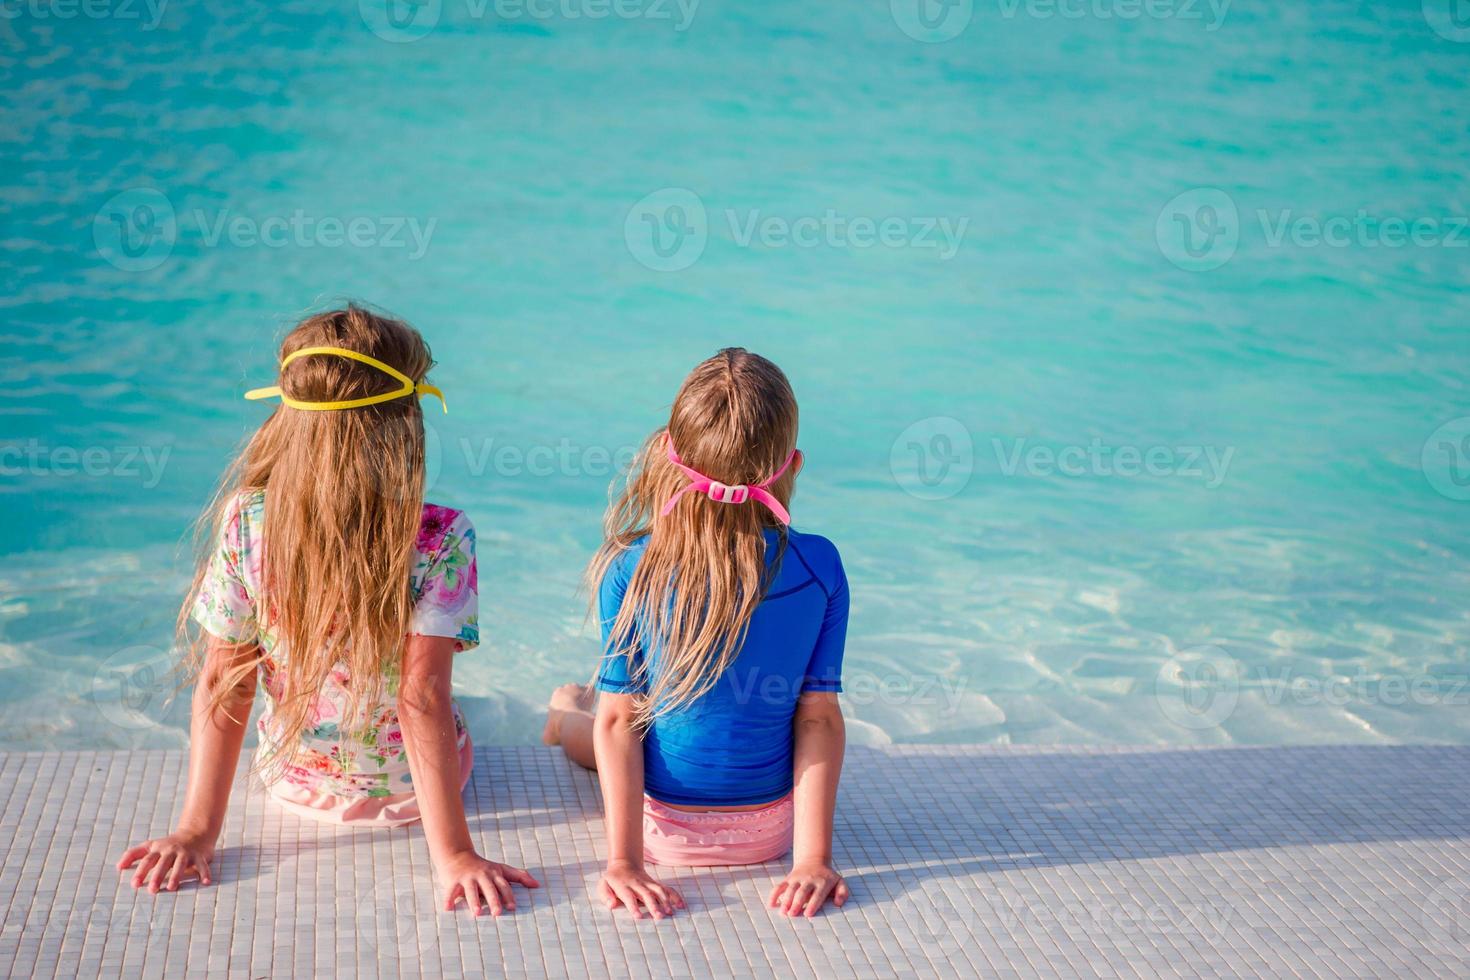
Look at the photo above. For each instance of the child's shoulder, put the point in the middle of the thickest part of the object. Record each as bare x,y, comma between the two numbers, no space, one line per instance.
440,523
818,553
813,546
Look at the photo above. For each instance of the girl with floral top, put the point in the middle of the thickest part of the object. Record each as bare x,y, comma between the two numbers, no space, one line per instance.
332,585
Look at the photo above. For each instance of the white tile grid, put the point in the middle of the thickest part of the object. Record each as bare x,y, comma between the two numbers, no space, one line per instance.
968,861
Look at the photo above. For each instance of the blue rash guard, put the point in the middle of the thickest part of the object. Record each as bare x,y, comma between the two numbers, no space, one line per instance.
733,747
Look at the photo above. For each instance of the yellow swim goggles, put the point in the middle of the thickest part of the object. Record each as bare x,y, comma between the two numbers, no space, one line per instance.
409,388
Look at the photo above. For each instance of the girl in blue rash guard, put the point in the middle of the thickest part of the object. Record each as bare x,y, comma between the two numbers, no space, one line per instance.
717,735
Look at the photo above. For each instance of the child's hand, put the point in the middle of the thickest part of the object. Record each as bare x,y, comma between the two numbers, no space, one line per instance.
481,883
803,891
629,886
165,861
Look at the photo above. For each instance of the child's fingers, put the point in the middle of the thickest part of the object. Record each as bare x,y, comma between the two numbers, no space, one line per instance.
144,866
521,877
799,898
819,895
605,892
776,893
456,890
629,898
203,864
180,863
131,856
840,893
472,898
674,894
155,879
651,900
497,886
660,898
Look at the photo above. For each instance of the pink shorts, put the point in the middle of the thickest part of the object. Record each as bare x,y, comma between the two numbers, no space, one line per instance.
710,837
372,811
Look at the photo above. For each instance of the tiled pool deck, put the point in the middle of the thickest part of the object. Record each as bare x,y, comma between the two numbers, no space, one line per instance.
962,861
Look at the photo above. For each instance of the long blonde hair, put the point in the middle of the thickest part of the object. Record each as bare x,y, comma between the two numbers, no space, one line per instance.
703,570
343,506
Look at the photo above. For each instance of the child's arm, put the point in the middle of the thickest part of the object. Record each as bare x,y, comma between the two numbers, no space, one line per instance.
216,732
620,771
426,712
820,740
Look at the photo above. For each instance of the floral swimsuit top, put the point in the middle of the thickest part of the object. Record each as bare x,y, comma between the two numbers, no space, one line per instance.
331,761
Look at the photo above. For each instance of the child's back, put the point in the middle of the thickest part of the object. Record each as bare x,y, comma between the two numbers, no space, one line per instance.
335,767
718,737
733,747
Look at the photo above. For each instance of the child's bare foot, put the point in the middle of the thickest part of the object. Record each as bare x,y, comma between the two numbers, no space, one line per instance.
569,698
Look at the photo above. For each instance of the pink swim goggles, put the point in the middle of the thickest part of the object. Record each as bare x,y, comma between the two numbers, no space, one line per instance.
724,493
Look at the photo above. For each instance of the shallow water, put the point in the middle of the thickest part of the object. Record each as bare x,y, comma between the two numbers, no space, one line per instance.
1093,481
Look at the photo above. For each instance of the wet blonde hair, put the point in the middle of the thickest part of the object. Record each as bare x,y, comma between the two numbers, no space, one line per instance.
703,570
343,506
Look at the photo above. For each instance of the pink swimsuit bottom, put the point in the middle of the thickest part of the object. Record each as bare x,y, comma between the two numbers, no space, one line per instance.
711,837
371,811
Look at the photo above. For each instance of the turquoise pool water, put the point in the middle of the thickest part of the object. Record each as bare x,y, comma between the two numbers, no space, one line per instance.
1132,349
